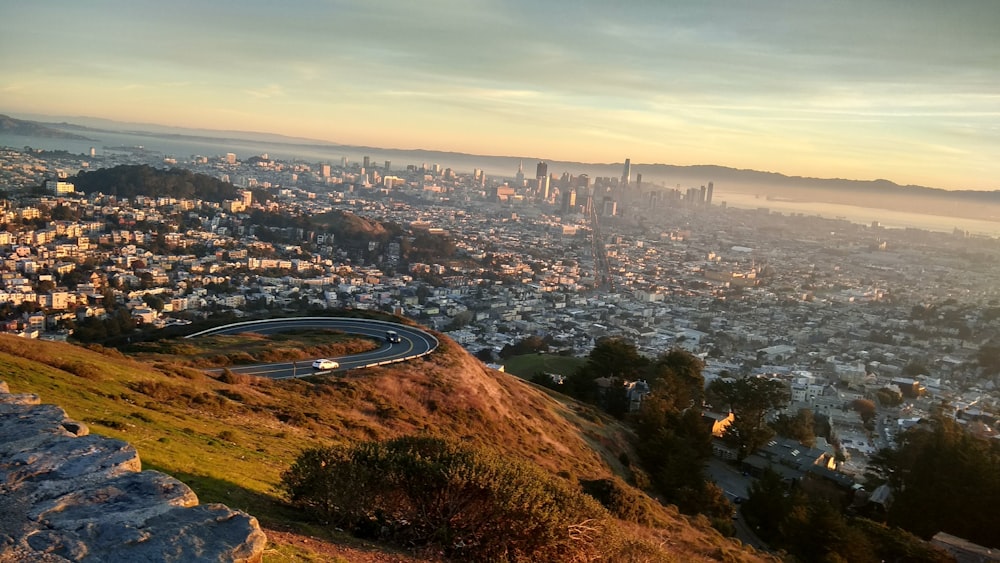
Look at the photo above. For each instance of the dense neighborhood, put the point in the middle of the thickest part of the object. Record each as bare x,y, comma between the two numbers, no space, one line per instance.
870,329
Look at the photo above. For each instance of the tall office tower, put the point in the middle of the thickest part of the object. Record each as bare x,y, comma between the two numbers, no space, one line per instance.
367,164
627,172
520,173
610,207
388,165
93,152
542,187
708,196
343,162
638,181
324,170
541,170
702,192
569,200
583,181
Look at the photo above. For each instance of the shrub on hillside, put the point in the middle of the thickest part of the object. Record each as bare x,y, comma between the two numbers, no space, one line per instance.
230,377
621,501
473,504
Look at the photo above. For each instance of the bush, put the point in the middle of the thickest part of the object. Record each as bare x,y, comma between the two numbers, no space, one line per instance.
473,504
621,501
230,377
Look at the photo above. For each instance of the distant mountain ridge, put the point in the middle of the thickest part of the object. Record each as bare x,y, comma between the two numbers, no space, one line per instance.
14,126
667,174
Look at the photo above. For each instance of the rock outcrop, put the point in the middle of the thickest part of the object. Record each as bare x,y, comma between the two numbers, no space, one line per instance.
66,495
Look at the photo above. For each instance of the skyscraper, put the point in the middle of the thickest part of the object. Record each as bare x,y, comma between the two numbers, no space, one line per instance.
627,173
708,196
520,173
542,189
541,170
569,200
388,165
367,163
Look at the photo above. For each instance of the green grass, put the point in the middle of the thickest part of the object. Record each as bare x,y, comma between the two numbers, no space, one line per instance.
528,365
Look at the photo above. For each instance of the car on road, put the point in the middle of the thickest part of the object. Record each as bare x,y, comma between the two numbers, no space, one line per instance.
392,336
325,364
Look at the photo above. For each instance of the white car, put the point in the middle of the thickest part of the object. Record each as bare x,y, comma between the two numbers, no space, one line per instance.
325,364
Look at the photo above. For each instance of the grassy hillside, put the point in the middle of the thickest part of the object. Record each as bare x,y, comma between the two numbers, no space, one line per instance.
230,439
527,365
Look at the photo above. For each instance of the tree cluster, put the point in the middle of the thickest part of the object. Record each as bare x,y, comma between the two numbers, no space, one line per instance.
471,504
117,324
943,479
528,345
128,181
673,442
800,427
750,399
814,529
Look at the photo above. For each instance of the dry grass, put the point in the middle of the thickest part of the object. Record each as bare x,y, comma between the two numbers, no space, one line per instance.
230,438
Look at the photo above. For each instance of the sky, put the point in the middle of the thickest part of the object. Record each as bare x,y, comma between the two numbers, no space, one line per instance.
906,90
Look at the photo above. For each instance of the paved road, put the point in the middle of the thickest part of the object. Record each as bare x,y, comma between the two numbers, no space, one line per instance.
413,343
734,484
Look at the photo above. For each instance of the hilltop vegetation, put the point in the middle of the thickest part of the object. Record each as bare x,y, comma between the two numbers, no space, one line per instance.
232,438
131,180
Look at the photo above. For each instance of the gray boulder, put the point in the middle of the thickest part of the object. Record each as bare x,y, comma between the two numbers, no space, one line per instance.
67,495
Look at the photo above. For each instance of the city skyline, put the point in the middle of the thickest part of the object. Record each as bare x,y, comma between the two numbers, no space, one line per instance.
906,91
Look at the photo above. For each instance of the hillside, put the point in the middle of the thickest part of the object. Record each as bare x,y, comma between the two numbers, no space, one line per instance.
231,441
14,126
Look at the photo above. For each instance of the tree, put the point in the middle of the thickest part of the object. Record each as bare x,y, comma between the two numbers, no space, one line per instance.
155,302
768,504
460,320
677,376
749,399
614,358
989,357
800,427
943,479
485,355
865,408
889,397
529,345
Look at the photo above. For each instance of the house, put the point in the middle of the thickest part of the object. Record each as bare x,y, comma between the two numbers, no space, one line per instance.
718,422
635,391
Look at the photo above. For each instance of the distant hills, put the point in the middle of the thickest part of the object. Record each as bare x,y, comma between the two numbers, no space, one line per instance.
880,193
13,126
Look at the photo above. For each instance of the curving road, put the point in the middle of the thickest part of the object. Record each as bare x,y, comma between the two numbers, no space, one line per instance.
413,343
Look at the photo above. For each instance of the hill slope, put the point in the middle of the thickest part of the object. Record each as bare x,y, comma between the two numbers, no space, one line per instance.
230,441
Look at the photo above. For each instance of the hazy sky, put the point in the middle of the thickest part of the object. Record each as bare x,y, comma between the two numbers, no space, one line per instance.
907,90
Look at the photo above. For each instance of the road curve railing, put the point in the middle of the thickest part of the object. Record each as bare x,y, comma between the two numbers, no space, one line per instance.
332,322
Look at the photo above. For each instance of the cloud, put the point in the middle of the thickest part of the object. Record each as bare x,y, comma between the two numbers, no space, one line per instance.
267,92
